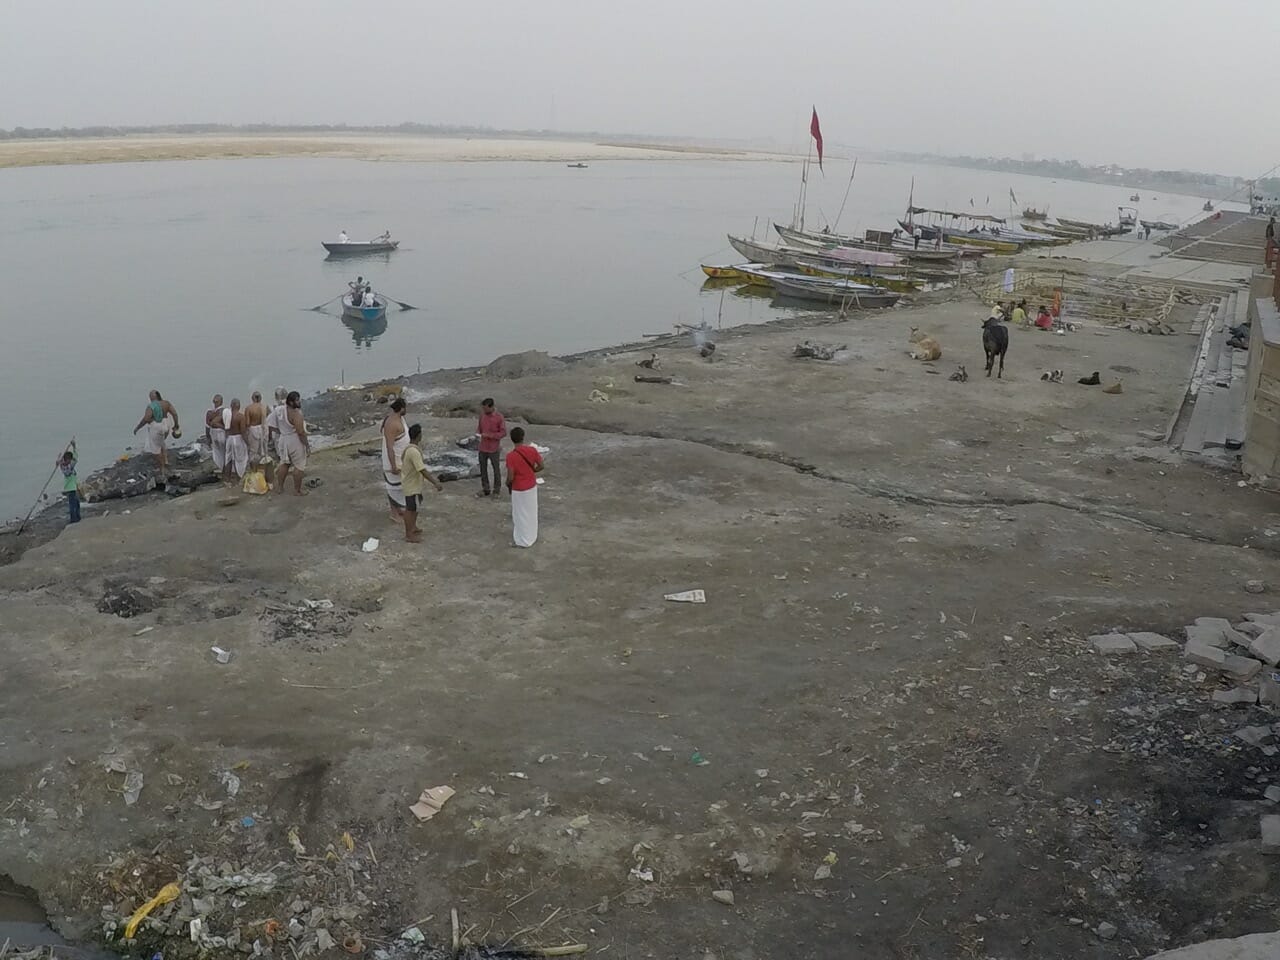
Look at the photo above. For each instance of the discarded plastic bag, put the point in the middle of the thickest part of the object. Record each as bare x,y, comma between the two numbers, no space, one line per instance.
687,596
255,481
370,545
430,802
168,893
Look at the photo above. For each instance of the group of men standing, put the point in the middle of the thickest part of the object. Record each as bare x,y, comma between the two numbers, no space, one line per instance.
246,438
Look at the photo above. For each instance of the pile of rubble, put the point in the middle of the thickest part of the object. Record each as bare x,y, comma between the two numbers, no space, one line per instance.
1245,654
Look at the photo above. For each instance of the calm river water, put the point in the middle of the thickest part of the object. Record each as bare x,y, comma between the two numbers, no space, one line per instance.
193,277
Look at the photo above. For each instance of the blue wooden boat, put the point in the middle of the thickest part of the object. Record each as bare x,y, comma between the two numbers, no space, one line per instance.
353,311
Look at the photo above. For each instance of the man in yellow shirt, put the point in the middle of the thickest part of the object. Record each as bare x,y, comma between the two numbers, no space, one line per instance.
414,476
1020,314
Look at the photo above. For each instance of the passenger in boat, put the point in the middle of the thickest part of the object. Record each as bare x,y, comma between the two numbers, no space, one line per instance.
357,291
368,297
342,237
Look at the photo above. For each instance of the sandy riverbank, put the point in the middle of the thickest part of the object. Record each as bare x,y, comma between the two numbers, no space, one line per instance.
884,711
25,153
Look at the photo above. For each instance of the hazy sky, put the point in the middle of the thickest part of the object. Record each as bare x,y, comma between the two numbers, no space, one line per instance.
1161,83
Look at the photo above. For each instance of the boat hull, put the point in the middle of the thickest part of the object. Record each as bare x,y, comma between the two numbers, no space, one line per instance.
357,247
835,294
372,314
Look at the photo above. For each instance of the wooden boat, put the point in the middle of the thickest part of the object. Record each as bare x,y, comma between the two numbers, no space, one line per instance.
824,269
899,246
352,311
1158,225
1031,213
835,293
576,166
988,242
764,253
350,247
1208,206
1135,198
728,273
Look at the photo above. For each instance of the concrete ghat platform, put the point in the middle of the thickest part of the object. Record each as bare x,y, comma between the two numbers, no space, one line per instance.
1256,946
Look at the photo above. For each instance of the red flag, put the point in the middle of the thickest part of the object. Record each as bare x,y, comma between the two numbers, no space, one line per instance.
816,132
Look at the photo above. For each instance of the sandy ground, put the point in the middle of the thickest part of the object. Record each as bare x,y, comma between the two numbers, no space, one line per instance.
883,731
25,153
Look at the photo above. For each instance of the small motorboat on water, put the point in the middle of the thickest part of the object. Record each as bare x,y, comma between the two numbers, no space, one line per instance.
1135,198
354,310
346,247
576,166
1208,206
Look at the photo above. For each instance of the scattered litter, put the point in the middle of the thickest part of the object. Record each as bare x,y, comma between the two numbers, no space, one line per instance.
370,545
168,893
132,787
149,629
822,873
698,760
762,772
232,783
645,874
296,842
604,780
580,823
687,596
211,805
597,397
517,775
413,935
223,656
318,604
248,822
723,896
430,802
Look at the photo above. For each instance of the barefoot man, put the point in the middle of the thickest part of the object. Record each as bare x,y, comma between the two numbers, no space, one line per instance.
215,432
413,473
255,419
523,465
274,419
160,419
294,444
237,447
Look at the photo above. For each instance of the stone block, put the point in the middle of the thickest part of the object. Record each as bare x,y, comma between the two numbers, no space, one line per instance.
1269,688
1272,793
1241,668
1236,695
1113,643
1252,628
1270,619
1255,736
1204,654
1271,833
1207,635
1154,642
1266,646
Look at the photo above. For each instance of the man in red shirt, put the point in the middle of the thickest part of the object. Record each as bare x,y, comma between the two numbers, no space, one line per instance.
491,429
523,465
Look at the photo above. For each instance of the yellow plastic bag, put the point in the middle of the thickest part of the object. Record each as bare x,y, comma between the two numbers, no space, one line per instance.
170,891
255,482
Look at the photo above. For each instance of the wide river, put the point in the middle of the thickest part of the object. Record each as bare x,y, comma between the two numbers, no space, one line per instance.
193,277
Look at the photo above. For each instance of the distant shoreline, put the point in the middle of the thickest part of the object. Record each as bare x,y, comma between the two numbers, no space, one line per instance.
390,147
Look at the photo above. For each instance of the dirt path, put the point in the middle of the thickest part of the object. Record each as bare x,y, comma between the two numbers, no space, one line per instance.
883,732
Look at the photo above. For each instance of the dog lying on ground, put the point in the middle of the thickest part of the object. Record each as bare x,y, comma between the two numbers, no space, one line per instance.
652,363
924,347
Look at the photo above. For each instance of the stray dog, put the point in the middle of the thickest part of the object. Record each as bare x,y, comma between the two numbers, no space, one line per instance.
650,364
924,346
961,375
995,341
1052,376
387,391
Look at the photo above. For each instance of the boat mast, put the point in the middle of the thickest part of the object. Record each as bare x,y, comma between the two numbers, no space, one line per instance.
835,226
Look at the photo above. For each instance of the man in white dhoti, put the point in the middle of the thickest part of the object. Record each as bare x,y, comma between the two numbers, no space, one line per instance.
524,463
278,412
237,448
255,418
395,438
215,433
294,444
159,420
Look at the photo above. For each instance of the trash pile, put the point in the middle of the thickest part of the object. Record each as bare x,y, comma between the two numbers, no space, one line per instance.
284,909
135,476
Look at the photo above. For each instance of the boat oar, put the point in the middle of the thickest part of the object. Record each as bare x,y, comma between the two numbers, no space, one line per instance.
399,303
321,307
23,524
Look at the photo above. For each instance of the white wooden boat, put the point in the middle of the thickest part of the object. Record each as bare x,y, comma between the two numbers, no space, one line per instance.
350,247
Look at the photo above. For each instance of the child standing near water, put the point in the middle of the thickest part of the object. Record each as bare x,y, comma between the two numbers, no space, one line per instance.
70,483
